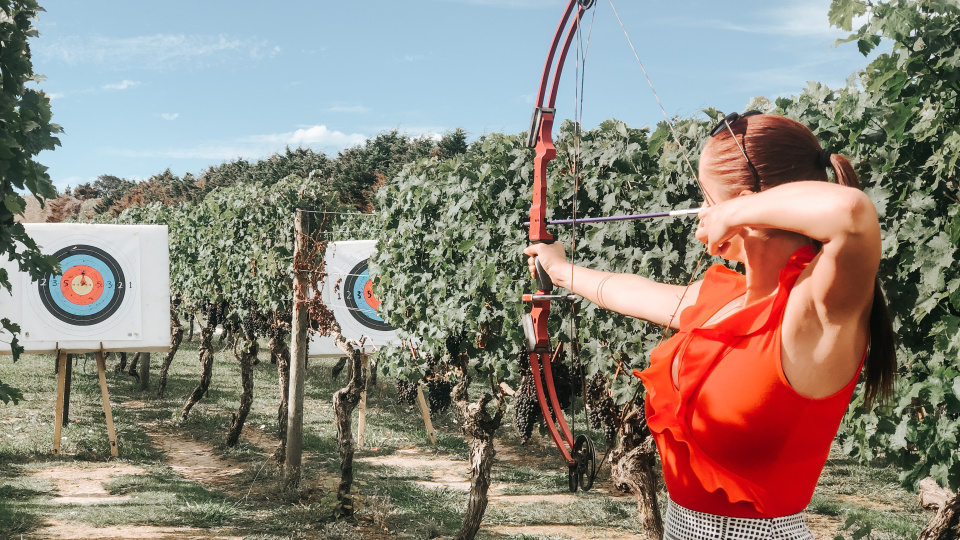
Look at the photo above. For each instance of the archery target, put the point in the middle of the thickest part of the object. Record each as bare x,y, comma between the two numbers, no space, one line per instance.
348,292
112,292
90,290
96,294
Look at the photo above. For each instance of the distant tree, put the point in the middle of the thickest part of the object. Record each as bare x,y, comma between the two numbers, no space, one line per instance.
83,192
359,171
25,130
452,144
110,189
302,162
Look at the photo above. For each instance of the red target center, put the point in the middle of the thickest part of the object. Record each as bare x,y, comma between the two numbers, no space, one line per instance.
369,296
81,285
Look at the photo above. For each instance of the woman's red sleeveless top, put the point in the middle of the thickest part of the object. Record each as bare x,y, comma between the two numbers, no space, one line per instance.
735,439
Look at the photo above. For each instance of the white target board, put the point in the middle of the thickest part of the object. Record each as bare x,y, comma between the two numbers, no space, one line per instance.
114,289
348,292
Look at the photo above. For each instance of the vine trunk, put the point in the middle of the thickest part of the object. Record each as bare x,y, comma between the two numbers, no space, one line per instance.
345,401
206,369
633,467
176,337
946,524
280,355
247,356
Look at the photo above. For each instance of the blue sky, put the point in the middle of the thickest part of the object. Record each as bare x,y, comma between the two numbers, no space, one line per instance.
140,87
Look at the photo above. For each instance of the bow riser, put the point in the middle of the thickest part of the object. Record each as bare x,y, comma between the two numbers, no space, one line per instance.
546,152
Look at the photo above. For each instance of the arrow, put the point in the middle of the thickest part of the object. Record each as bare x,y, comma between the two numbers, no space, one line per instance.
671,213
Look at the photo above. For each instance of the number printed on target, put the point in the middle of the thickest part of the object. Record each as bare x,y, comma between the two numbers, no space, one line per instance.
89,291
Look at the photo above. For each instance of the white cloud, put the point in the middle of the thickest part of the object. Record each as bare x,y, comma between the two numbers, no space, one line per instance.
313,135
159,51
123,85
169,116
412,58
54,95
794,18
254,146
359,109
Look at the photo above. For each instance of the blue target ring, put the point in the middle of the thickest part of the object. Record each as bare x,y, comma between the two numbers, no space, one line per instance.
114,286
109,289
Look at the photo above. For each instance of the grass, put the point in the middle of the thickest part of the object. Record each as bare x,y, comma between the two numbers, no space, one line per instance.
401,501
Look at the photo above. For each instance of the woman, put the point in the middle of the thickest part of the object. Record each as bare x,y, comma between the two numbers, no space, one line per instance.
747,396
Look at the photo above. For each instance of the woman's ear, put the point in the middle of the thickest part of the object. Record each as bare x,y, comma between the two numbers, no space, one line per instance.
746,192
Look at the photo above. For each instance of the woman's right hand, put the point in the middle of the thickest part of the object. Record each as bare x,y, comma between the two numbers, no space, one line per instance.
552,258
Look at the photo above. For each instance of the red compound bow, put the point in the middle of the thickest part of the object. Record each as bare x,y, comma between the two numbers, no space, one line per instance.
579,454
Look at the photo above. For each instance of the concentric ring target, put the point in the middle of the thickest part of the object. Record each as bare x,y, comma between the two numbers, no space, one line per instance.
348,292
360,300
89,291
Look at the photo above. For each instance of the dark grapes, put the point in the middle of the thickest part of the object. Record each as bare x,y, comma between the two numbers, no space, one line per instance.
406,392
440,398
526,409
602,410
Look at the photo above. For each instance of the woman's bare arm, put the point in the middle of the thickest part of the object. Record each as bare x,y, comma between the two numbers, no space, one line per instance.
628,294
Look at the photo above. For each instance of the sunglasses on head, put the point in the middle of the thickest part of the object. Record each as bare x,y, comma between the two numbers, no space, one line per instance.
727,121
730,119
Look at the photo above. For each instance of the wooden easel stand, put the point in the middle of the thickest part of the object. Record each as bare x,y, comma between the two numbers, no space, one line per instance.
62,390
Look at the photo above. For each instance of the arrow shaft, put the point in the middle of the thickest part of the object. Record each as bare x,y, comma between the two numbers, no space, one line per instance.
670,213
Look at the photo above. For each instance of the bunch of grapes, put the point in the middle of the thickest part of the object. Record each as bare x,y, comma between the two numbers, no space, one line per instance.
563,383
602,410
526,410
406,392
439,394
214,312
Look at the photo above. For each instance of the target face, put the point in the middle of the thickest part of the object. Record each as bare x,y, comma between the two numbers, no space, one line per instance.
90,290
96,295
348,291
360,300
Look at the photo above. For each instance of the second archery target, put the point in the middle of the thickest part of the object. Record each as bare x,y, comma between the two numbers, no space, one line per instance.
348,292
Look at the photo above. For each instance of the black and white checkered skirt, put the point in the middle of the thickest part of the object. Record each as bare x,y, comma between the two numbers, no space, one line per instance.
685,524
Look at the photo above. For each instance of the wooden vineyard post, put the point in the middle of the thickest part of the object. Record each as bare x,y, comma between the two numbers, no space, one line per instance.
105,394
61,388
422,402
298,353
425,413
362,415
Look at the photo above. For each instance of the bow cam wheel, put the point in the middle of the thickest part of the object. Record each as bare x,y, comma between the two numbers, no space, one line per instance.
586,468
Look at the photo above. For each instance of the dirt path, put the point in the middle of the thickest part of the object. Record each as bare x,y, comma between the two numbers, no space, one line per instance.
82,484
78,531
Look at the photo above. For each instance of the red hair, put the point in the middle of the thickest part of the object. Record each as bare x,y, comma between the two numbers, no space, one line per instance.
781,150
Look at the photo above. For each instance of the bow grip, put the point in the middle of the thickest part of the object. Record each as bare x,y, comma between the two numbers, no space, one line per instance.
544,283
